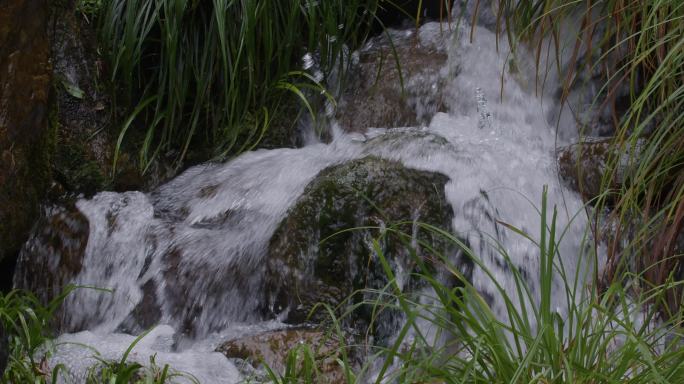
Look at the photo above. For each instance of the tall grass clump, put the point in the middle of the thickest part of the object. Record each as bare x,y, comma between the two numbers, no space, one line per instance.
639,46
212,74
585,336
26,323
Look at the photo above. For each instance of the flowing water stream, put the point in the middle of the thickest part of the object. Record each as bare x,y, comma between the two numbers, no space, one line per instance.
203,236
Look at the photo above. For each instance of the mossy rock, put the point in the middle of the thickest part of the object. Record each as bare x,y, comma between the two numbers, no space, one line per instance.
316,255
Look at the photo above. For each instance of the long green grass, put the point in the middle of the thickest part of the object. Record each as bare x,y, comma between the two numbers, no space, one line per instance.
213,75
615,336
26,324
209,74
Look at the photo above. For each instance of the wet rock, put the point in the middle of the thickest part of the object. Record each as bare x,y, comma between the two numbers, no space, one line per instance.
595,104
592,97
583,166
81,109
284,131
82,113
272,349
374,96
54,253
25,140
314,257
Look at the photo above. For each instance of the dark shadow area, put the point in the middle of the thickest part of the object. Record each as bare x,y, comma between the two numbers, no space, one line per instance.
405,15
7,267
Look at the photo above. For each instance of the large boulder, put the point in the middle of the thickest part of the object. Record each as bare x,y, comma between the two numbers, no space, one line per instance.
322,252
25,140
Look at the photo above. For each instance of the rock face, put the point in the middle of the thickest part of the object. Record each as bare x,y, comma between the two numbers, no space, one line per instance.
374,96
81,109
272,349
314,257
24,135
81,113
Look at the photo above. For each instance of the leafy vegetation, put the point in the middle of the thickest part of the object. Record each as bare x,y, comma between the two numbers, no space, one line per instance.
26,323
211,74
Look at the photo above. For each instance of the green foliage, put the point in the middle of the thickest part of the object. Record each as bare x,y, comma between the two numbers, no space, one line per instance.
27,323
89,8
614,336
209,73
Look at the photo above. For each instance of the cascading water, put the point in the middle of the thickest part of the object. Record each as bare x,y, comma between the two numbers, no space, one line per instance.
191,253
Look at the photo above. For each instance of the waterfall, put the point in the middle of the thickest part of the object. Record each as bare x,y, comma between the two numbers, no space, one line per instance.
204,235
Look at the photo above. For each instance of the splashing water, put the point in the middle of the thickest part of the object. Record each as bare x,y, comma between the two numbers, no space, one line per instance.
204,235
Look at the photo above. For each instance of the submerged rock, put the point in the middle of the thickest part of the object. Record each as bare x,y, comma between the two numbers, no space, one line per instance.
397,81
272,349
323,251
25,140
